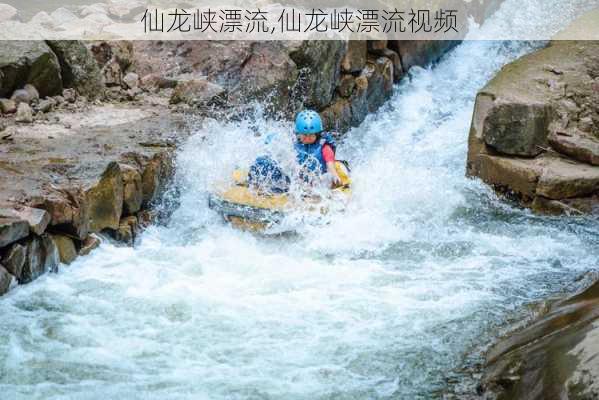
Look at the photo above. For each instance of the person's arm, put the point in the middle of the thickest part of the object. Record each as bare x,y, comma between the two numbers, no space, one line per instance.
329,158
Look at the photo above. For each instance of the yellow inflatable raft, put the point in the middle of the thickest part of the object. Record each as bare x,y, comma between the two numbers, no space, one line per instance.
245,208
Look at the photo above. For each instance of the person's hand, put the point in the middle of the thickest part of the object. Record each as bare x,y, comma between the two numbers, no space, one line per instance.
335,180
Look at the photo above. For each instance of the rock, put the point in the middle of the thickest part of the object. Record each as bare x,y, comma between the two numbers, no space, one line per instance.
24,113
8,106
34,95
376,46
198,92
21,96
575,206
346,85
69,95
543,99
37,219
337,117
104,200
14,259
42,256
112,74
420,52
131,80
146,218
132,189
563,179
46,105
155,82
31,62
127,231
11,230
398,71
359,100
552,358
272,88
51,255
66,248
7,12
6,278
517,129
79,68
90,243
355,58
155,178
68,210
119,51
518,176
34,265
319,62
379,73
576,144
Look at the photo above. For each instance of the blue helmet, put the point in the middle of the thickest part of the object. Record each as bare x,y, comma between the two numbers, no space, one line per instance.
308,122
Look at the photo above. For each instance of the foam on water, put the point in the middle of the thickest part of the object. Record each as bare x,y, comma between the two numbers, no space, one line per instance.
382,302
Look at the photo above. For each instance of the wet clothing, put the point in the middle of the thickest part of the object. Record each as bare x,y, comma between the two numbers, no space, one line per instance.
266,174
314,157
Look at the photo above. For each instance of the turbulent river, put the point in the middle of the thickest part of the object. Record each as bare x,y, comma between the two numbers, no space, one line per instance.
393,299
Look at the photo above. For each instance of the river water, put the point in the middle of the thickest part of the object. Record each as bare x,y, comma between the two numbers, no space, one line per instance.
390,300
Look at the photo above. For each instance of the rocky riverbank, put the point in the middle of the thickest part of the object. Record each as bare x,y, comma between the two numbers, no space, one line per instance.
535,128
88,130
535,138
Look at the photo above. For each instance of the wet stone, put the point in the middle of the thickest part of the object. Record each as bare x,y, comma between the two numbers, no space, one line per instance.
6,280
11,230
14,259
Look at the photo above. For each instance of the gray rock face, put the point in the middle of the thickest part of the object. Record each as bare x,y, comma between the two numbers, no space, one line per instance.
517,129
14,259
34,262
79,67
66,248
553,358
321,62
11,230
5,280
31,62
24,113
8,106
42,257
37,219
198,93
535,107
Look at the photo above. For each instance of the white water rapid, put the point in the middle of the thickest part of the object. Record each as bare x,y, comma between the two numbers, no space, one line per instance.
384,302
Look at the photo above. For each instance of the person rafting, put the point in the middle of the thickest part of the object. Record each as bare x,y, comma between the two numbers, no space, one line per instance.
315,154
315,148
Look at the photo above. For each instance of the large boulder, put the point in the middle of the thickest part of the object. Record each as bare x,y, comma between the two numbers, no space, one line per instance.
42,256
198,93
14,259
542,107
66,248
420,52
355,57
37,219
319,62
104,199
79,68
33,62
11,230
5,280
553,358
